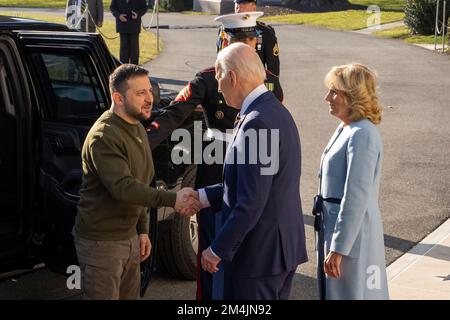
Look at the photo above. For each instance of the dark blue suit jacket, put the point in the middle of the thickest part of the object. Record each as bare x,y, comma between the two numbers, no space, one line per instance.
263,231
119,7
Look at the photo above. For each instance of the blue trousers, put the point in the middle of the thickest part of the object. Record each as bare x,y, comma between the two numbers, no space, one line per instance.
209,286
272,287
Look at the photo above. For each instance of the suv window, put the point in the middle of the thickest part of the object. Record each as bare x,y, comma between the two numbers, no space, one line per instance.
6,96
8,143
74,91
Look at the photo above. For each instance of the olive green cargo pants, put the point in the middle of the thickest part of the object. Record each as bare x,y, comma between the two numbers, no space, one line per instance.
110,270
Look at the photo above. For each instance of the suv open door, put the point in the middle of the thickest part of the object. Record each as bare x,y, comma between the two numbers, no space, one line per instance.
66,77
16,172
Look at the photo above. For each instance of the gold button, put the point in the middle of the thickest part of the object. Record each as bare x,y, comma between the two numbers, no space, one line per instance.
219,115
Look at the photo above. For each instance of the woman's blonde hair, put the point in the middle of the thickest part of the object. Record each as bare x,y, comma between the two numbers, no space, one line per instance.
358,83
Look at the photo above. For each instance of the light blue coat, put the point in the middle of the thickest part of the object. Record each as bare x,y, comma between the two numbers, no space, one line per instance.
351,171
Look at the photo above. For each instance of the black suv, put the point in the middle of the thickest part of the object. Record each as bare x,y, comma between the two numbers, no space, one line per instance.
53,86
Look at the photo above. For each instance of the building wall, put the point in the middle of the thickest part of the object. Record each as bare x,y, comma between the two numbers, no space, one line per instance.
214,6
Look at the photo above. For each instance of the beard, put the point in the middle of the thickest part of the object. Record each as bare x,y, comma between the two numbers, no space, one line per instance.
131,111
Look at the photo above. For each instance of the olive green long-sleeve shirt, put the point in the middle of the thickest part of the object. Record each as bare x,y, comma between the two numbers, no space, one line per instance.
117,170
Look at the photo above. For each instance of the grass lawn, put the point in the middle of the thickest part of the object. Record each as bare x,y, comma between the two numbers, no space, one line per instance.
195,13
383,4
41,3
341,20
396,33
403,33
147,40
389,5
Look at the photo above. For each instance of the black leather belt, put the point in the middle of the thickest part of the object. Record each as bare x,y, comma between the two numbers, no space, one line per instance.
317,210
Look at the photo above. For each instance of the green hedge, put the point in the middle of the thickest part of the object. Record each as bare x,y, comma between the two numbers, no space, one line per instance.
176,5
420,15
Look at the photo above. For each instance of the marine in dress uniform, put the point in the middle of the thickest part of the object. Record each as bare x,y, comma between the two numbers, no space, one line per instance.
267,44
203,90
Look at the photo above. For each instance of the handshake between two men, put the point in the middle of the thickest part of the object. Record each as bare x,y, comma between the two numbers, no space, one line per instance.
187,202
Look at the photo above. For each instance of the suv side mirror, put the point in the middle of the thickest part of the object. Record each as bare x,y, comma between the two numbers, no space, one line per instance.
156,92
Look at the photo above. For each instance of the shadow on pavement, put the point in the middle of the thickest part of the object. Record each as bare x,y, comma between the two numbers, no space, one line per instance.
303,288
400,244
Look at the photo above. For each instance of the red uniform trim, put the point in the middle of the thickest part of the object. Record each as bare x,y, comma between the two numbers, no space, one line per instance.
184,94
210,69
271,73
199,263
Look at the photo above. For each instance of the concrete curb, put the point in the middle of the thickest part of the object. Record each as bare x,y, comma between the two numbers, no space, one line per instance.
408,259
422,272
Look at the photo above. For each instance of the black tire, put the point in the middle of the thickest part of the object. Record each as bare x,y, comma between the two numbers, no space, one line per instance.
178,240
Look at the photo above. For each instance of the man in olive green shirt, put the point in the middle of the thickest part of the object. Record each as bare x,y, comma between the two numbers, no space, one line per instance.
111,228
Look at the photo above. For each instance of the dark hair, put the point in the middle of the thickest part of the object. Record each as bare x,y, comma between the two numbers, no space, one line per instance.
118,79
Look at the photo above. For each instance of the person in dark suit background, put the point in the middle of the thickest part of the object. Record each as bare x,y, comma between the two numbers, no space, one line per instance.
95,15
128,14
262,238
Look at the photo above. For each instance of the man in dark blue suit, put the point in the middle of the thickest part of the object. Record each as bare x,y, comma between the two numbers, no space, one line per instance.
128,14
262,238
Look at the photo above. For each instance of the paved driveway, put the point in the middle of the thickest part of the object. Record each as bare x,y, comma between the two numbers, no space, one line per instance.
414,88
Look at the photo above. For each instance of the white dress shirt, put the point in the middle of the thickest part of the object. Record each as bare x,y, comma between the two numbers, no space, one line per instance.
259,90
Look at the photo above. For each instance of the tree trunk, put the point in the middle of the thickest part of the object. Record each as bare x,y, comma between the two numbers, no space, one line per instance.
318,3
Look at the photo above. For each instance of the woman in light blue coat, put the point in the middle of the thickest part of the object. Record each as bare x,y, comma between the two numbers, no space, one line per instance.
351,262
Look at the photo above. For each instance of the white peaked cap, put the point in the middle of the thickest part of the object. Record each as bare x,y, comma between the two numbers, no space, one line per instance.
239,20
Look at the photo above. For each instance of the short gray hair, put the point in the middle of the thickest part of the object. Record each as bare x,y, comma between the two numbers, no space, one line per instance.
243,60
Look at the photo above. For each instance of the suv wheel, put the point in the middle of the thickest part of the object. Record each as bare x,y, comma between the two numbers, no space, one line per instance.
178,238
